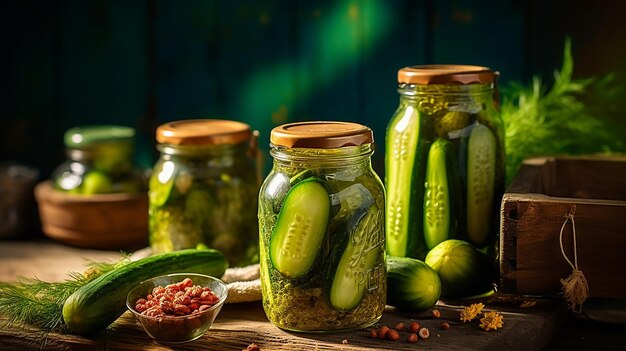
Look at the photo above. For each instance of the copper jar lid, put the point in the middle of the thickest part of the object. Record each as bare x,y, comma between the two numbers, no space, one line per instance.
321,135
446,74
203,132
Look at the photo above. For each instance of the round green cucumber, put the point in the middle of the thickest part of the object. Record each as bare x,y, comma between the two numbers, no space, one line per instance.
463,270
199,206
437,201
481,173
300,228
412,285
402,150
450,122
350,281
96,182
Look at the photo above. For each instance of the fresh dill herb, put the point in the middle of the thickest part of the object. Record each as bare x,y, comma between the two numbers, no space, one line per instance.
561,120
39,303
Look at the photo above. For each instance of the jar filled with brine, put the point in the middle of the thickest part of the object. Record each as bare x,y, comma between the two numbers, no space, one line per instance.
99,161
203,189
321,221
444,160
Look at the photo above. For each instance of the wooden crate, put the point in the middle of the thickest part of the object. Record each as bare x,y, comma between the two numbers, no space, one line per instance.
533,212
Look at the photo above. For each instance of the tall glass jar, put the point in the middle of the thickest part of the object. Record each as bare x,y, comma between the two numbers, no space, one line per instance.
321,221
99,161
444,159
203,189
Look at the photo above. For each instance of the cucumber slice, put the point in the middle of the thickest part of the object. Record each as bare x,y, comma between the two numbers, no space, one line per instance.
161,184
402,151
360,256
437,201
481,173
300,228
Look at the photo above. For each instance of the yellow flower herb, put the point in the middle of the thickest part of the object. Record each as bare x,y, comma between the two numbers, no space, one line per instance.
491,321
471,312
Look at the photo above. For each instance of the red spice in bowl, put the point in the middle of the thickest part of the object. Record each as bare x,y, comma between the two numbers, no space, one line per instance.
177,308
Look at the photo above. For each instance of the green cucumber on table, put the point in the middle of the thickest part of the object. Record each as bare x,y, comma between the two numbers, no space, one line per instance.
100,302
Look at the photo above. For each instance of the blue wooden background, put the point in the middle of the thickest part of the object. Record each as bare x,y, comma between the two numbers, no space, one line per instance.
140,63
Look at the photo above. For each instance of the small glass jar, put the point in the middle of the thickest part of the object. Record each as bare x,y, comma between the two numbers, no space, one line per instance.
321,221
444,160
99,161
203,189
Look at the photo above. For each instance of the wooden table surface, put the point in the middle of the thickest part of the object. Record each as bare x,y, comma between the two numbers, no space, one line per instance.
238,325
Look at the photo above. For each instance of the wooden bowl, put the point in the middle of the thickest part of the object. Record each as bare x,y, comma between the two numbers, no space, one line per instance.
104,221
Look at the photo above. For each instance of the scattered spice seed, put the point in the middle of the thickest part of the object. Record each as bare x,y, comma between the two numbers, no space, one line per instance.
412,338
344,341
399,326
445,326
382,332
436,314
393,335
373,333
414,327
252,347
424,333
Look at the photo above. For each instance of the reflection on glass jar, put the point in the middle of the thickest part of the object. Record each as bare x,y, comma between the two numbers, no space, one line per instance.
321,221
99,161
444,160
203,189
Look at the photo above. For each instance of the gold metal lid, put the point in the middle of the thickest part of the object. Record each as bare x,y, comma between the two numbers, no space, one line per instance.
203,132
446,74
321,135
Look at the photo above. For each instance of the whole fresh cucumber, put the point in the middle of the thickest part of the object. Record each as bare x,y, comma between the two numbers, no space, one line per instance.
99,303
361,255
481,173
403,183
412,285
300,228
442,194
463,270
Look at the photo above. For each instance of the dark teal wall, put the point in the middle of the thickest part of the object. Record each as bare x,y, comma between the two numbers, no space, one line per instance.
141,63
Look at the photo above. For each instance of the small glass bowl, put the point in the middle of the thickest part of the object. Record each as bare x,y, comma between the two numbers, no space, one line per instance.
177,329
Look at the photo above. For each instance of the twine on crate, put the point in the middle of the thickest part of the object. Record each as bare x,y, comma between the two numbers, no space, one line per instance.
575,287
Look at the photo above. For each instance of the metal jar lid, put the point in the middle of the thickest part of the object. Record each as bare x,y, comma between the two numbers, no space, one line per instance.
203,132
79,137
321,135
446,74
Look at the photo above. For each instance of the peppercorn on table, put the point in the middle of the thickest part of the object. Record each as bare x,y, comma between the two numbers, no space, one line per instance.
240,325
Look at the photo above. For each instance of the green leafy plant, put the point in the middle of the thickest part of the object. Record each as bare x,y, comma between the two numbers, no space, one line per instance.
562,120
40,304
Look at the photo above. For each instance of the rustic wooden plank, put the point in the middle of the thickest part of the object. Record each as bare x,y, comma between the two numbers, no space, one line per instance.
241,324
533,214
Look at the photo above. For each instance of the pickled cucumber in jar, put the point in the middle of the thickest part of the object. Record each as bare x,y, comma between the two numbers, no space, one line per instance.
444,160
322,239
202,193
100,161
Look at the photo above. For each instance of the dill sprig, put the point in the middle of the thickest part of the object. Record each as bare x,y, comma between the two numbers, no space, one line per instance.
560,120
38,303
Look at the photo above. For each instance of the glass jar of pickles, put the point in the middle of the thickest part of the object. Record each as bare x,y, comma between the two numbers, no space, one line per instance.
444,159
321,221
99,161
203,189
